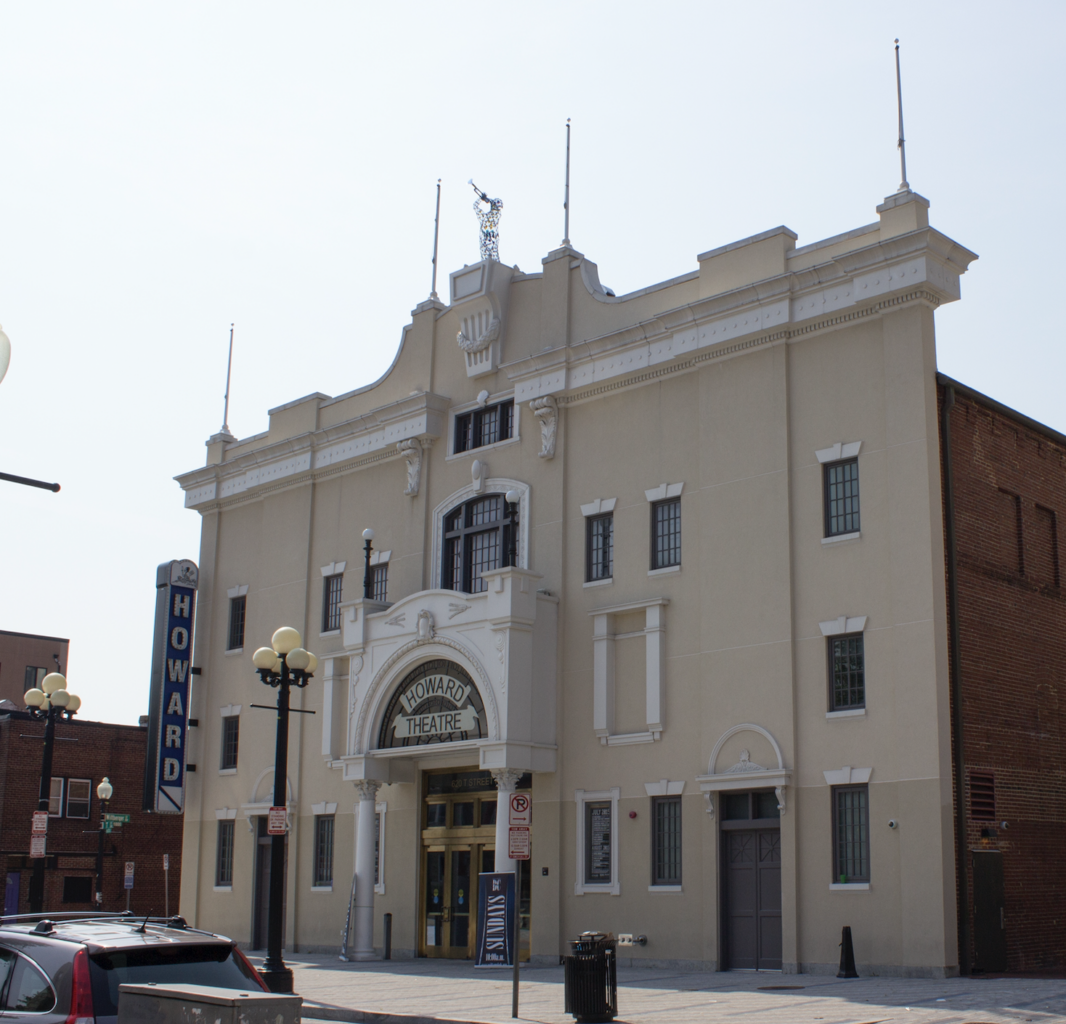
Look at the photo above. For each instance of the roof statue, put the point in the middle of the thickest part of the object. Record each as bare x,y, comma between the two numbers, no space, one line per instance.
490,236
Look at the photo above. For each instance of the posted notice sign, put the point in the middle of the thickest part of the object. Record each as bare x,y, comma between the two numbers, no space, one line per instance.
495,919
276,821
37,846
128,875
518,842
40,823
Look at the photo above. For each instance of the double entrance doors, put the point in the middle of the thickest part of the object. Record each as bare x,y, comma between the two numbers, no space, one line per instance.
458,842
750,861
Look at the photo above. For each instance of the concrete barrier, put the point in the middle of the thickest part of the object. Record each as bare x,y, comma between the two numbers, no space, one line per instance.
204,1004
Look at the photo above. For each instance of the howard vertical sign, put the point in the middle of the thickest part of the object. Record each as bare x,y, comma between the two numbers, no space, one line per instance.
175,606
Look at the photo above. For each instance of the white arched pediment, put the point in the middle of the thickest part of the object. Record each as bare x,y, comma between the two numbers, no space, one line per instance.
745,774
402,661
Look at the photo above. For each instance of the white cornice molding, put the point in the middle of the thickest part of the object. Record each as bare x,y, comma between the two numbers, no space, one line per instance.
923,265
363,440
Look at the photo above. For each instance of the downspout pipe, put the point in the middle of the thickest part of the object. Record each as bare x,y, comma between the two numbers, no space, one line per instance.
961,859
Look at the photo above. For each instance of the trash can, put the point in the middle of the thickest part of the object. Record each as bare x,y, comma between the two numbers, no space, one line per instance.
590,978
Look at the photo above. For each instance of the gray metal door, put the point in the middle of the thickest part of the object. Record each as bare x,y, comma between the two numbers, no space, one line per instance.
989,912
751,899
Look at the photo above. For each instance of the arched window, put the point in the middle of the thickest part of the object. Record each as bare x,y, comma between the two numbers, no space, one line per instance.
476,536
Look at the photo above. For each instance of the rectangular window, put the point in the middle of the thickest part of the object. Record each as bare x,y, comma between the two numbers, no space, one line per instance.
666,533
34,675
599,547
78,889
231,728
224,854
982,796
379,581
842,497
331,602
55,798
666,840
78,795
484,426
324,849
847,672
851,834
236,623
598,842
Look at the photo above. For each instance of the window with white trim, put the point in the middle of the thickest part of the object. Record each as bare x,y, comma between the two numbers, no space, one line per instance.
597,842
79,793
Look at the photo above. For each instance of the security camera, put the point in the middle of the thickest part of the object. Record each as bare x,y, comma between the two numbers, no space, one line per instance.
892,823
1004,824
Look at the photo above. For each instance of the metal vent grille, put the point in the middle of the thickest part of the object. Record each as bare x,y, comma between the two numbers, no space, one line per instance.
982,796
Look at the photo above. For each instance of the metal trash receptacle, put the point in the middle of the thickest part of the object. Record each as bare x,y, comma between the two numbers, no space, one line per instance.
590,978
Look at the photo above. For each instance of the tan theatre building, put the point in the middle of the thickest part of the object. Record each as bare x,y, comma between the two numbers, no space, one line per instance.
720,664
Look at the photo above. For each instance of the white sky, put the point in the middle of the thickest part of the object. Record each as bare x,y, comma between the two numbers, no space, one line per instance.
166,169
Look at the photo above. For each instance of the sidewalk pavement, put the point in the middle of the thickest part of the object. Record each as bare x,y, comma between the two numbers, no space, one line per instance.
431,991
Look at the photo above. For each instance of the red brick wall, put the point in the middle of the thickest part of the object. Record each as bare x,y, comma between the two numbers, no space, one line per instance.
1010,501
87,750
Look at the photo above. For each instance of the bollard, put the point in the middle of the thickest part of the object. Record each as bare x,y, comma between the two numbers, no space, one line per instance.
847,955
388,937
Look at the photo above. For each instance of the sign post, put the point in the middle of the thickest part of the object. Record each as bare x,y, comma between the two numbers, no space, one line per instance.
166,883
519,821
127,881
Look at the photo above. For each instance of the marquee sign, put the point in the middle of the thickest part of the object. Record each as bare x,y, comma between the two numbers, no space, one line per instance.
164,783
436,703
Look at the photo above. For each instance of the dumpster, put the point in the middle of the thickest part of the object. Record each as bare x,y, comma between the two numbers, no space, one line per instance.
590,978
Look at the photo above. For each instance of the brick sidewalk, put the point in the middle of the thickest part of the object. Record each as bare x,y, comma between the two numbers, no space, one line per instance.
433,990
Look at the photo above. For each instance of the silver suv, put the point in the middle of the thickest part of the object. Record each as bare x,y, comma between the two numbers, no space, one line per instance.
56,970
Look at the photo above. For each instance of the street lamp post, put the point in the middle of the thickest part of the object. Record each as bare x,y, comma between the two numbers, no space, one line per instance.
512,498
284,664
103,794
368,576
49,703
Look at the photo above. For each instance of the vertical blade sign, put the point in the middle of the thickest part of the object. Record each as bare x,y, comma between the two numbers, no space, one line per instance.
172,659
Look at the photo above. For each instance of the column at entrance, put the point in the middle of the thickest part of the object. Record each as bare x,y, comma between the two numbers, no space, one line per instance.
364,870
506,781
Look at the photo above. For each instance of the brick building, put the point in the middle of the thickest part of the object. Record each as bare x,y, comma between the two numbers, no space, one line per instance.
84,753
25,659
1004,478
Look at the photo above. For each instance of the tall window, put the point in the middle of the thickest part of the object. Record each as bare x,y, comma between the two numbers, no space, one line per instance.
599,547
379,581
231,728
34,675
666,840
224,854
851,834
78,796
847,672
476,536
331,602
323,849
55,798
236,623
842,498
484,426
666,533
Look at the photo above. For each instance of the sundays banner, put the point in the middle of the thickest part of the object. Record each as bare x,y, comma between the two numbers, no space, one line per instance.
495,919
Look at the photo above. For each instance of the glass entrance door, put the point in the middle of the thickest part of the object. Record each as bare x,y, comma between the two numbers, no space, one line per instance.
450,900
458,842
